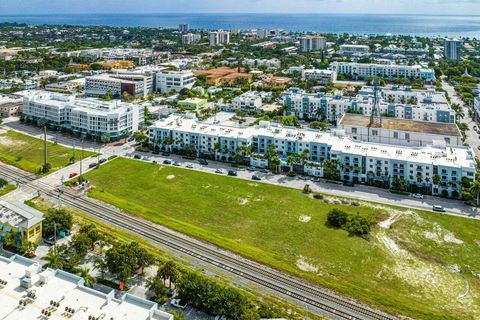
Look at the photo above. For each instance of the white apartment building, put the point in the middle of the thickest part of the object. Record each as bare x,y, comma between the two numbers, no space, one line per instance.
220,37
353,49
10,106
29,291
359,162
312,43
191,38
393,101
135,82
249,102
367,70
174,80
320,76
476,107
85,116
269,63
452,49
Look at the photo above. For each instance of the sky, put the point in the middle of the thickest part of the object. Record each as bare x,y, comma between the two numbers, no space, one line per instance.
455,7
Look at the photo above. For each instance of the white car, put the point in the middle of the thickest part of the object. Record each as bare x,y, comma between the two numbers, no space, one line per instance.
190,166
178,303
417,196
220,171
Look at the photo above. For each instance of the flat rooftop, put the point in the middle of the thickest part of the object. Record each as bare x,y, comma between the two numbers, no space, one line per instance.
449,129
66,289
18,214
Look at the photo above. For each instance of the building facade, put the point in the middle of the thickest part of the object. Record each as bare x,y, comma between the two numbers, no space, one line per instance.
452,49
216,38
367,70
355,161
353,49
174,80
319,76
312,43
191,38
10,107
21,221
84,116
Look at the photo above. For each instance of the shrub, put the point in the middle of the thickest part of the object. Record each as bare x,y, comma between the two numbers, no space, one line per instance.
337,218
358,226
318,196
307,189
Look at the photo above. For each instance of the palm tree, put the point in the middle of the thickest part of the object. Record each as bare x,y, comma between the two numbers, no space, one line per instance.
53,258
157,288
475,191
89,281
168,271
101,265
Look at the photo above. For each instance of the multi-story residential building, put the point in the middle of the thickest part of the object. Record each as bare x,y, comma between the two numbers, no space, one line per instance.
168,81
393,101
10,106
21,221
135,82
476,107
452,49
183,27
85,116
216,38
400,132
190,38
320,76
262,33
35,290
358,162
312,43
249,102
269,63
353,49
367,70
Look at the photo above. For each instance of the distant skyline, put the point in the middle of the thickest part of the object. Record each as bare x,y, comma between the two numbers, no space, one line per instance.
446,7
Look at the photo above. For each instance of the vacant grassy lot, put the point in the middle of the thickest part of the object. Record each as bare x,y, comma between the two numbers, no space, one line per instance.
415,263
26,152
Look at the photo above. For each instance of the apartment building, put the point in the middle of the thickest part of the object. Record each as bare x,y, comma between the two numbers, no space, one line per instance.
21,221
10,106
216,38
476,107
29,292
183,27
249,102
370,70
319,76
359,162
400,132
168,81
312,43
85,116
452,49
396,102
353,50
191,38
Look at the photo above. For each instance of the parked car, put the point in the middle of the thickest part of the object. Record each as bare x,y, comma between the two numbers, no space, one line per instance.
348,184
302,178
146,158
178,303
137,156
72,175
166,154
251,169
417,196
232,173
167,162
92,165
438,208
220,171
190,165
256,177
156,152
203,162
131,139
264,171
50,240
103,160
177,164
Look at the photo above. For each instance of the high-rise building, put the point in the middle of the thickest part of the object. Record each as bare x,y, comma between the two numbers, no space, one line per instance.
183,27
190,38
451,49
218,37
312,43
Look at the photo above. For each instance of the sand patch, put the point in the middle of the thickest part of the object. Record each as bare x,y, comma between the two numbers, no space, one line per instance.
304,218
304,265
242,201
253,184
171,177
8,142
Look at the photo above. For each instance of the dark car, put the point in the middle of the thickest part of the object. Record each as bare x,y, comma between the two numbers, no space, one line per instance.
103,160
156,152
264,171
348,184
137,156
92,165
232,173
166,154
203,162
256,177
50,240
131,139
167,162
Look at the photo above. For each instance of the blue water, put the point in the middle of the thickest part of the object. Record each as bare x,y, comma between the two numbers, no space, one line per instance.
425,25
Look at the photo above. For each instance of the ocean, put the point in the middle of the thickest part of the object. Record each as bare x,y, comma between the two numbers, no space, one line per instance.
423,25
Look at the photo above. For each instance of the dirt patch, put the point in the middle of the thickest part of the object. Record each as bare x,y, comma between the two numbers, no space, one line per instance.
171,177
304,265
253,184
8,142
243,201
304,218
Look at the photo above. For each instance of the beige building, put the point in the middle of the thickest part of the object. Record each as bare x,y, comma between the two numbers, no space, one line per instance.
10,107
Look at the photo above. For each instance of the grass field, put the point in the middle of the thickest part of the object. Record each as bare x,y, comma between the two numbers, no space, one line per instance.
26,152
419,264
6,189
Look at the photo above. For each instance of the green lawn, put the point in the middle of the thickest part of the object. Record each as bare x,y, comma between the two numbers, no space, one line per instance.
421,266
6,189
26,152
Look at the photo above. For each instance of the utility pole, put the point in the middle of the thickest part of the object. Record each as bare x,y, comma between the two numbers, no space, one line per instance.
44,147
81,158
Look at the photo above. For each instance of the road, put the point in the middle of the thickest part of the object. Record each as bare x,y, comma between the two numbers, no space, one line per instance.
318,300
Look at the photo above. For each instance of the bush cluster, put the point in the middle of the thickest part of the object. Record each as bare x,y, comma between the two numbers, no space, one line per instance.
354,224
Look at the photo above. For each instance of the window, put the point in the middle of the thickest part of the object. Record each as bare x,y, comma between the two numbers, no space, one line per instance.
395,135
407,136
374,133
354,130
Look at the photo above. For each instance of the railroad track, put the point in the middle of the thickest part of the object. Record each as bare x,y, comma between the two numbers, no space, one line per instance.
301,291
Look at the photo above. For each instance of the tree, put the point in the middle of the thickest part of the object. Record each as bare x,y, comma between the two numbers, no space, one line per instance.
320,125
89,281
358,226
331,169
101,265
157,288
92,233
337,218
475,191
53,258
81,243
127,97
168,271
105,137
58,219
